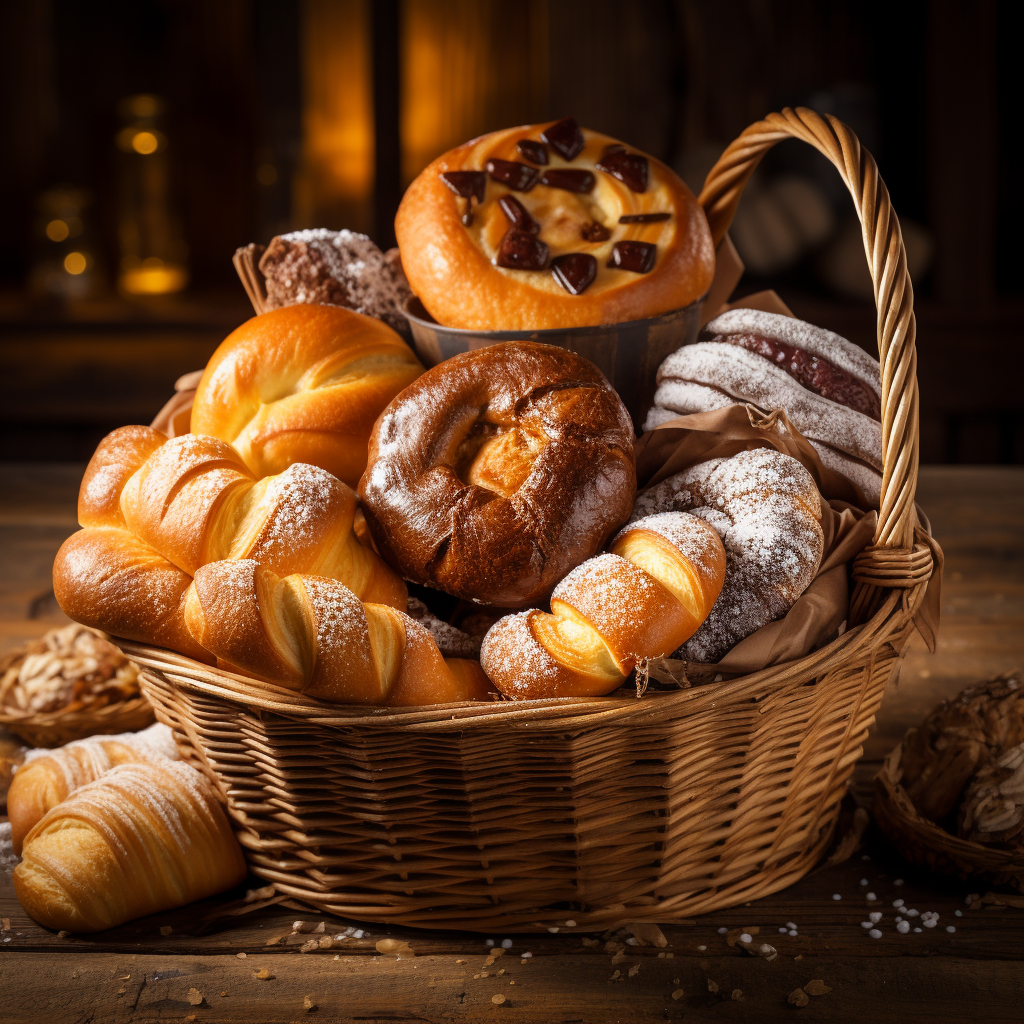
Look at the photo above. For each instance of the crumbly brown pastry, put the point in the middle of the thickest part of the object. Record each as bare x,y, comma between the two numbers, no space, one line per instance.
450,640
67,669
959,737
335,268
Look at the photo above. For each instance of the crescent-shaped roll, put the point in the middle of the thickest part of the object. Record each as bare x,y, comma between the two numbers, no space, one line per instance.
141,839
43,782
303,383
313,635
641,600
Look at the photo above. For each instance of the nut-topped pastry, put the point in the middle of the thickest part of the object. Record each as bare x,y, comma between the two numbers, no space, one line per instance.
554,225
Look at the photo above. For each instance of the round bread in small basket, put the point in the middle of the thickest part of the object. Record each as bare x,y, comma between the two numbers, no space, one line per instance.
600,810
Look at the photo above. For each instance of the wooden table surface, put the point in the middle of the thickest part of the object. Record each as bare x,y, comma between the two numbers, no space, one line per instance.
201,963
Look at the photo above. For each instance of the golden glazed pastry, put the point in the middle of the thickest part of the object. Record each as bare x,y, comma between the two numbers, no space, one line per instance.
498,471
154,510
641,600
303,383
314,635
141,839
546,226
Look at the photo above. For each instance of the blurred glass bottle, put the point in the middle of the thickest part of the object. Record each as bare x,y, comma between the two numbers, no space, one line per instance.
154,257
65,262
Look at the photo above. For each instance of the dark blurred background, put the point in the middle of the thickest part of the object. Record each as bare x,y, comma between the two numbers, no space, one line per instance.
144,140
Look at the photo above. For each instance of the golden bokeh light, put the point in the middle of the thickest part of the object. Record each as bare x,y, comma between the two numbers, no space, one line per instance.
145,143
75,263
154,277
57,230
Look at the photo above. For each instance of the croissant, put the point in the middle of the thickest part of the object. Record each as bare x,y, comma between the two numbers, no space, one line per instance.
314,635
141,839
46,781
154,510
642,599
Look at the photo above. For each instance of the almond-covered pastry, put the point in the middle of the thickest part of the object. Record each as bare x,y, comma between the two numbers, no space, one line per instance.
992,811
552,225
67,669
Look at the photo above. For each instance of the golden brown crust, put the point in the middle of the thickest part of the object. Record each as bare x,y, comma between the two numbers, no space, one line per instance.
451,266
498,471
303,384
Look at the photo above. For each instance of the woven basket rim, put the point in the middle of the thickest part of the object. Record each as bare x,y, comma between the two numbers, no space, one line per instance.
926,833
558,711
80,716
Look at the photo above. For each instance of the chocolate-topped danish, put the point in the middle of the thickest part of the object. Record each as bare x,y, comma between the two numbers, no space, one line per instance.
498,471
546,226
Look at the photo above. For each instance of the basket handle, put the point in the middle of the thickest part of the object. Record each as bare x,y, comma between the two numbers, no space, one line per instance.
894,293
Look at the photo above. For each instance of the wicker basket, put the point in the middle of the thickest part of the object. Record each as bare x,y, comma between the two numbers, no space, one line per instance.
600,811
926,844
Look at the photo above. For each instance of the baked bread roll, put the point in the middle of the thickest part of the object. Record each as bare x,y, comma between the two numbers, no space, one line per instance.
829,388
767,510
546,226
303,383
498,471
141,839
641,600
315,636
43,782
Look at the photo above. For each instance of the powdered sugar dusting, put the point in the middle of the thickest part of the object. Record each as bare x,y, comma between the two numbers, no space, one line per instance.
615,594
815,340
767,511
694,538
513,659
8,858
334,268
451,642
340,618
726,370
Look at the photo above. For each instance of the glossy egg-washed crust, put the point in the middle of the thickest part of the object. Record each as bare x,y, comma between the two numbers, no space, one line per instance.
498,471
451,266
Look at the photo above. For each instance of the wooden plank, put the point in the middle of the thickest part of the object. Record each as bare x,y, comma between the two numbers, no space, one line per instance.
51,988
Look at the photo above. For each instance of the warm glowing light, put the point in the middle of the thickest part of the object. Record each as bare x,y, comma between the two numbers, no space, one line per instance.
154,277
75,263
57,230
145,143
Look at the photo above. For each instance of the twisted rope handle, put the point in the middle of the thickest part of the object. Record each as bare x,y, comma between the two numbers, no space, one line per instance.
894,293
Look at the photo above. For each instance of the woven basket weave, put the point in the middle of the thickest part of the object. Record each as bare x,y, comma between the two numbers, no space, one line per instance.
597,811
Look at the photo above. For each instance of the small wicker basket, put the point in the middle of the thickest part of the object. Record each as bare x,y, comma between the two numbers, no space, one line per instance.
55,728
926,844
599,811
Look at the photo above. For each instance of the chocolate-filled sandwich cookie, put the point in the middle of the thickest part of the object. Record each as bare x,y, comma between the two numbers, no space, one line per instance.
828,387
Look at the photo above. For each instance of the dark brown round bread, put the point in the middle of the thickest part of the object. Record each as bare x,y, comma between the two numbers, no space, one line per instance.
499,471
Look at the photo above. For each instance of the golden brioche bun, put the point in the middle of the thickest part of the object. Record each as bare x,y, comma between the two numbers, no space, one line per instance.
303,383
452,268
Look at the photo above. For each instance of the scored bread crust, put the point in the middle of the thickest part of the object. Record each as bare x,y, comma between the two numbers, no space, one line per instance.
450,267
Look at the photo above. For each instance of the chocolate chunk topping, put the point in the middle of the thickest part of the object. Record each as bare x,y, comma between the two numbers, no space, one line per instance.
643,218
520,250
575,271
468,184
596,232
566,137
813,372
636,256
518,215
630,168
535,152
568,179
519,177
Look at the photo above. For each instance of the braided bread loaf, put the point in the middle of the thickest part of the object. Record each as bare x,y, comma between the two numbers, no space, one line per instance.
303,384
141,839
154,510
642,599
314,635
